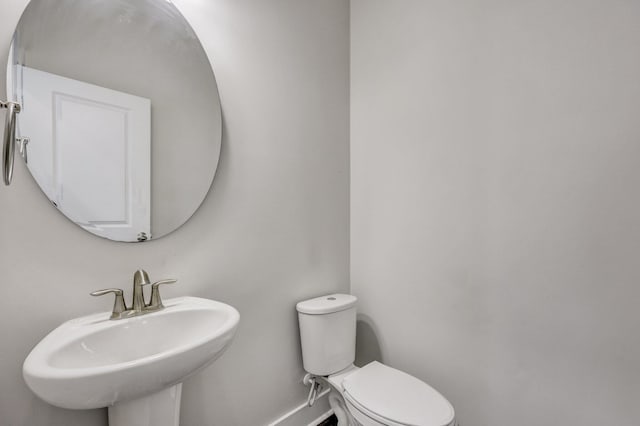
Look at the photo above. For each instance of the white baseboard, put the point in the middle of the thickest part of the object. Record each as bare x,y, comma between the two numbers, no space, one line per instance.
305,415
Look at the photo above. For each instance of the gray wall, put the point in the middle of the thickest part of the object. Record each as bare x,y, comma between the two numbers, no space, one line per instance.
273,230
495,203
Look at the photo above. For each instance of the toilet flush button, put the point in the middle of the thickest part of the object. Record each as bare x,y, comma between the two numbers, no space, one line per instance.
331,298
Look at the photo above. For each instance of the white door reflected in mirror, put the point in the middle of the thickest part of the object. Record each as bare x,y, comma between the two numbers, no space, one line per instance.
123,128
108,193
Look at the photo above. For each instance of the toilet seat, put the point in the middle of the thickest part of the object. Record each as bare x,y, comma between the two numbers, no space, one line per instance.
392,397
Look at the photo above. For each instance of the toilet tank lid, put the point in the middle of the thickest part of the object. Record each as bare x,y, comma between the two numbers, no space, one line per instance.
327,304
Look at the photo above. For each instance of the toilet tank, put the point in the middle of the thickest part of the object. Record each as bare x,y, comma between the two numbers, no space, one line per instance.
328,333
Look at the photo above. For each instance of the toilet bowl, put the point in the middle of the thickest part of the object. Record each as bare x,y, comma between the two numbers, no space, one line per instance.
374,395
377,395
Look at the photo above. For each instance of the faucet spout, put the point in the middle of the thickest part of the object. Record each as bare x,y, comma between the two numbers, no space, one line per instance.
139,307
140,279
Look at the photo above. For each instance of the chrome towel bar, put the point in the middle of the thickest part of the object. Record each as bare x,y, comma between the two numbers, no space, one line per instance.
9,139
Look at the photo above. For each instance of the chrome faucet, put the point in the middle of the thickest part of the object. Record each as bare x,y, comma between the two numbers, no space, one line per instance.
138,306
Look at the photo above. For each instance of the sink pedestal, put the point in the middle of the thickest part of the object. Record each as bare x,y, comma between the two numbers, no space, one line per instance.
158,409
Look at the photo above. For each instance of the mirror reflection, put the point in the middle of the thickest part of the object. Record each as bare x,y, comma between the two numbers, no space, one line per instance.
120,123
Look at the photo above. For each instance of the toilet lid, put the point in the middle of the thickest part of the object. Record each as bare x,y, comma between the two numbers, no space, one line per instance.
396,396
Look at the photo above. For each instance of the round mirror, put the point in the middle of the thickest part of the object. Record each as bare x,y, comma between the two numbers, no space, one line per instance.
121,121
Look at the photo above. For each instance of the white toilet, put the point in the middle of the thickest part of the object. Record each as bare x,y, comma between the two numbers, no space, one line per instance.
373,395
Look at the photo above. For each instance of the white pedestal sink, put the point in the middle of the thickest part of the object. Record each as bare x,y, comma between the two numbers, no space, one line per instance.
134,366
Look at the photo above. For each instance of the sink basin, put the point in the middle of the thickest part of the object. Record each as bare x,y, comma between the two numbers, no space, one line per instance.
93,362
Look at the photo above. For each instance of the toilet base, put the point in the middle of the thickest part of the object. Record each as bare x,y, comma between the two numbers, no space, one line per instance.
337,404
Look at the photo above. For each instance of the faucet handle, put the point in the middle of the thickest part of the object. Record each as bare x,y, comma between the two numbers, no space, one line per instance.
118,305
156,301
